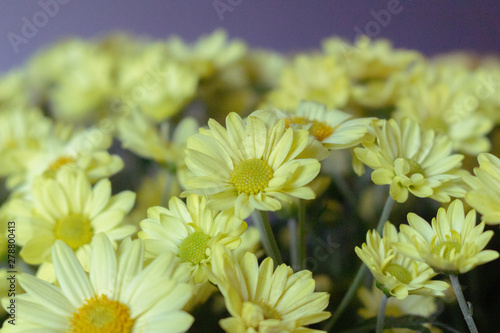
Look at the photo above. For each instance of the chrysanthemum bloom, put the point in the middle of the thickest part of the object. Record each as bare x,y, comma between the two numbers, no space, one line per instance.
333,128
143,137
261,299
396,274
319,78
78,150
251,164
485,193
413,160
190,231
452,245
444,100
374,67
418,305
119,295
69,209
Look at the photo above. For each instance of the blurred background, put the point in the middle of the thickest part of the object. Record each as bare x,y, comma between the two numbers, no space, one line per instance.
431,27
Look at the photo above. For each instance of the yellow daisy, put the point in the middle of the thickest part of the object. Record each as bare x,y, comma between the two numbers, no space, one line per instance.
118,295
261,299
485,193
333,128
69,209
413,160
250,165
318,78
452,245
190,231
418,305
396,274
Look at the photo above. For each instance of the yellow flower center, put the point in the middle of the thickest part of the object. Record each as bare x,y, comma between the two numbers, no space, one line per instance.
74,229
101,315
447,250
268,311
251,176
399,272
193,248
320,130
414,167
60,162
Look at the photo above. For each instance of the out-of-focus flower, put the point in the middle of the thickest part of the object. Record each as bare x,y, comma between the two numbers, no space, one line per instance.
396,274
452,245
418,305
261,299
190,231
119,295
485,193
250,165
69,209
316,78
413,160
444,99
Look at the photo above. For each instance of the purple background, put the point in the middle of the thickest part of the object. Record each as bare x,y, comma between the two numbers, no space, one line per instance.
429,26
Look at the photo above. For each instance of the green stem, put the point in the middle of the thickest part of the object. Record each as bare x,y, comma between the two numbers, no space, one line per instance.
302,250
294,253
268,241
168,189
466,311
386,212
381,314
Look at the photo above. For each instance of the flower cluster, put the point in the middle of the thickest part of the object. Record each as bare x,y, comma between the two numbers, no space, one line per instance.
157,186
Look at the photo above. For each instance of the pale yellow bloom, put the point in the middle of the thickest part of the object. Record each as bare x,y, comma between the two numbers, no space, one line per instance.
316,78
418,305
68,208
190,231
262,299
485,193
444,99
396,274
118,295
375,69
413,160
251,165
146,139
453,244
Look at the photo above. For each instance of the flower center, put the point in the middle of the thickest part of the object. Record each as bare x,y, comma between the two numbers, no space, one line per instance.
320,130
268,311
193,248
414,167
74,230
251,176
399,272
101,315
447,249
60,162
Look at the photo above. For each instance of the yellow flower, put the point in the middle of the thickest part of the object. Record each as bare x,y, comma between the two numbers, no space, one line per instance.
418,305
375,69
119,295
444,99
84,150
250,165
413,160
14,89
261,299
485,193
396,274
333,128
69,209
452,245
208,54
190,231
146,139
316,78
